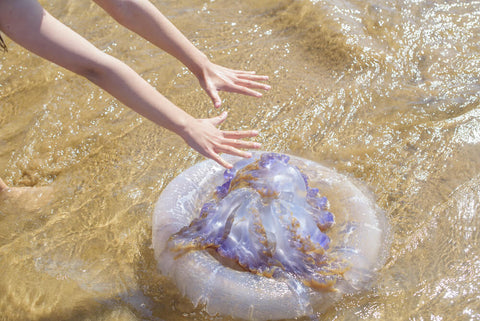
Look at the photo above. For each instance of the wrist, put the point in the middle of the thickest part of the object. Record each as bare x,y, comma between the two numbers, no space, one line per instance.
199,65
184,125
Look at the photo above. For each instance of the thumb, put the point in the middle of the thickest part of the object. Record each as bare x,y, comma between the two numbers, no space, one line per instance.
213,93
219,119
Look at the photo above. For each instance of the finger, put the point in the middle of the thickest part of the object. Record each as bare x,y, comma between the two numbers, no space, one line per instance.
245,144
249,72
232,151
212,92
238,134
219,119
252,77
252,84
243,90
217,102
220,160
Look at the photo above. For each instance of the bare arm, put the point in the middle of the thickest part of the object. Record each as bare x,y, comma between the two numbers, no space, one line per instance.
28,24
145,19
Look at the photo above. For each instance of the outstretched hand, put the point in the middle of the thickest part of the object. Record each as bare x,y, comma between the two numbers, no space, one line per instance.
204,136
215,78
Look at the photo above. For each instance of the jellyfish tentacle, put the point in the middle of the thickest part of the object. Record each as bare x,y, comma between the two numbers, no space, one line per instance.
269,220
264,244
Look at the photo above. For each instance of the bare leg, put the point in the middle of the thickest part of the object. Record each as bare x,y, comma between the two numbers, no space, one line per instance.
3,186
25,198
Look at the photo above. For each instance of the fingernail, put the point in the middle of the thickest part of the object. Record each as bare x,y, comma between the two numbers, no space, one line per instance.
258,94
257,145
254,132
267,87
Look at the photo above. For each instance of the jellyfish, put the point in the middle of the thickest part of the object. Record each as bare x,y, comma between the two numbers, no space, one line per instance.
275,237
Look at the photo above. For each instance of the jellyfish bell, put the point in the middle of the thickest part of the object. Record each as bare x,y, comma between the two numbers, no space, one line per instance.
260,242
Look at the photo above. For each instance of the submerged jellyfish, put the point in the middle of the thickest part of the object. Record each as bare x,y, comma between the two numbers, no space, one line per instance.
260,242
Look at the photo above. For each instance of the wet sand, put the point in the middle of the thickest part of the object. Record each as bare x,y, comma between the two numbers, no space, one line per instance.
385,92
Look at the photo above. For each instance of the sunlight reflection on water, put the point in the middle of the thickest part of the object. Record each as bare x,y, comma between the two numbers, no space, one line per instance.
386,92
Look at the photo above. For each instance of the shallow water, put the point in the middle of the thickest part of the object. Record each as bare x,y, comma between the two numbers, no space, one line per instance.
386,91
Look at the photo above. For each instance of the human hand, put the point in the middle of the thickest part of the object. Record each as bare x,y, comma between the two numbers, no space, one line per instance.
215,78
204,136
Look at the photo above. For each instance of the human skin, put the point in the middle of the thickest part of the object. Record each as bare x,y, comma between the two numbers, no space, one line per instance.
31,26
3,186
142,17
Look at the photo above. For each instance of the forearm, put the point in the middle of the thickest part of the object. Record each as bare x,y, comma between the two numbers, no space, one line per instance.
132,90
143,18
28,24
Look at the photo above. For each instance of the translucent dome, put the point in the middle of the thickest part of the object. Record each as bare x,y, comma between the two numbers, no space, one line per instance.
259,241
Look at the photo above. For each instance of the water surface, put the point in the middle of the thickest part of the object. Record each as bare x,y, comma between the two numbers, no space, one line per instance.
384,91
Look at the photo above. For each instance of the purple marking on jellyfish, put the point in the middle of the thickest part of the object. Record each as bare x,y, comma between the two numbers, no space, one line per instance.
323,219
274,224
208,207
322,239
284,158
229,174
328,219
318,202
312,192
276,227
267,159
305,179
222,190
